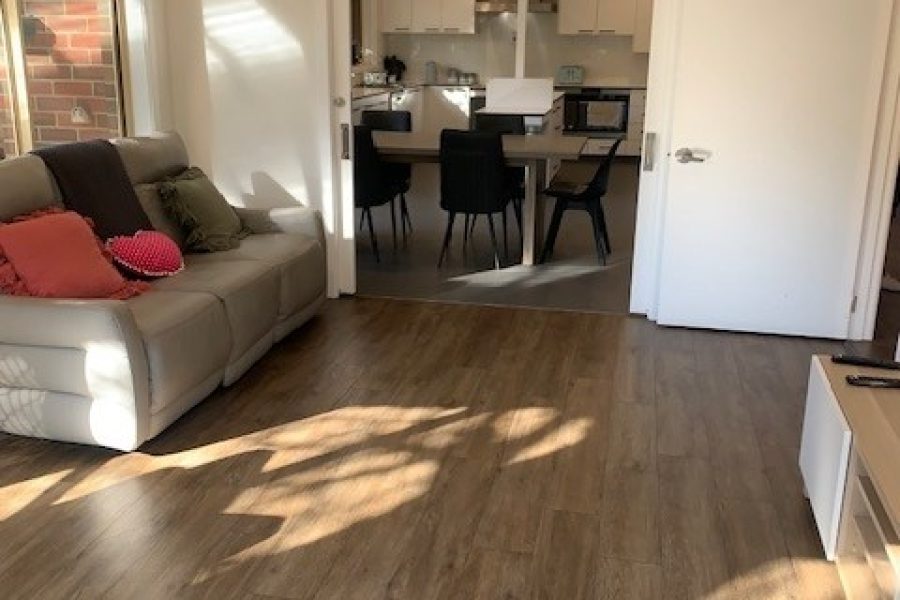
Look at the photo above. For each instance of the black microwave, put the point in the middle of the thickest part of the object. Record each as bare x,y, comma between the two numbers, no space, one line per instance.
602,113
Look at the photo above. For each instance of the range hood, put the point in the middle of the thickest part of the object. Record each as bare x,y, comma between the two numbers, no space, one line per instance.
512,6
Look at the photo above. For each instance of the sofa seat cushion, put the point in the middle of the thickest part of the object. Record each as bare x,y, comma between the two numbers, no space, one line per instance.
186,337
300,261
248,290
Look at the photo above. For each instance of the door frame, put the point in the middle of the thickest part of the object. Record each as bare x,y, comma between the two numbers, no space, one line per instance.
652,190
343,266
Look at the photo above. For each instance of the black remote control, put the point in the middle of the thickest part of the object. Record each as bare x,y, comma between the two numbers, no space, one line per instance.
862,361
885,383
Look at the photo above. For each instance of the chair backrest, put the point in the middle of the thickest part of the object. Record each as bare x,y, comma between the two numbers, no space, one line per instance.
390,120
473,174
509,124
600,183
369,183
387,120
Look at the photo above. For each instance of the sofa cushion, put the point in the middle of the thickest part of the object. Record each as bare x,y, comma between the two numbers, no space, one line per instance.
300,261
186,337
57,255
148,195
210,224
26,186
248,290
152,159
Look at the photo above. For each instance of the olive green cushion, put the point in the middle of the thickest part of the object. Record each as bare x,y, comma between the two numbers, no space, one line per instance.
209,223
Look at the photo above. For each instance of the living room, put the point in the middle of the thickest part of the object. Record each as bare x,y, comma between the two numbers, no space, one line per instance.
194,402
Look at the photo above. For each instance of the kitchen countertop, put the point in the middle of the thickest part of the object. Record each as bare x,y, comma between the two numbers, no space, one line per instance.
610,83
367,91
518,110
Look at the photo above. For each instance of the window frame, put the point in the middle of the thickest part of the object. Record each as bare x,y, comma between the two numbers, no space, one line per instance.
11,24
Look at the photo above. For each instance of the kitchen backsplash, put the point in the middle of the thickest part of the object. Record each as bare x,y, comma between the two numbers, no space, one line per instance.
491,51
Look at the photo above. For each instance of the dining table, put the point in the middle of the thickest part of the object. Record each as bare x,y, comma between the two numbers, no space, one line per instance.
530,151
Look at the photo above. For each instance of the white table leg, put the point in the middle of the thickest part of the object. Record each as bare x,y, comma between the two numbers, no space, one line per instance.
532,213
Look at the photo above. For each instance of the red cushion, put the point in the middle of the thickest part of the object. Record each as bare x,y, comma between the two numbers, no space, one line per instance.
57,255
147,253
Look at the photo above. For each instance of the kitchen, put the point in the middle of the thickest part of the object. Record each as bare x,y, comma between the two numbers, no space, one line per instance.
436,59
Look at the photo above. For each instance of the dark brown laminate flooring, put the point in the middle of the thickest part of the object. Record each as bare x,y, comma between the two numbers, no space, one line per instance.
411,450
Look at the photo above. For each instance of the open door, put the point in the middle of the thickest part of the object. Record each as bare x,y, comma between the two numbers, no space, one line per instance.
768,142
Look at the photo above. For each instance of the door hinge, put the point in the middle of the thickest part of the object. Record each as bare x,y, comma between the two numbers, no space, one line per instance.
854,305
345,141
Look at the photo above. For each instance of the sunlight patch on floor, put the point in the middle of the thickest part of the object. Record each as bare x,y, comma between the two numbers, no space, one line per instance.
19,495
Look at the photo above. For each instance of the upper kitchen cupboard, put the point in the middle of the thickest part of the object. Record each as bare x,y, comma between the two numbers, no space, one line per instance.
591,17
643,24
396,16
428,16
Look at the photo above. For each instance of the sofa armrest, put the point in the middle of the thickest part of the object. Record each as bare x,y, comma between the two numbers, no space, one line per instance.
296,219
115,362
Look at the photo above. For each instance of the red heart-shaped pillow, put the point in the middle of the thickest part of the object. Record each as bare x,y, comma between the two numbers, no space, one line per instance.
147,253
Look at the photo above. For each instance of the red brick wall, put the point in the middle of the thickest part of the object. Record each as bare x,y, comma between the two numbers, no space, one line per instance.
70,63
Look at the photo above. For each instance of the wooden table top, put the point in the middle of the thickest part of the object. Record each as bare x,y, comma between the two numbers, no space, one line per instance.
874,419
516,147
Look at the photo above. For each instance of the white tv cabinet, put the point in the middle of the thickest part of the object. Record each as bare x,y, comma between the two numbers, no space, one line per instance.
850,461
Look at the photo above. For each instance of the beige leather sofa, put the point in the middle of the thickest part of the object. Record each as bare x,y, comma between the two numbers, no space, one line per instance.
116,374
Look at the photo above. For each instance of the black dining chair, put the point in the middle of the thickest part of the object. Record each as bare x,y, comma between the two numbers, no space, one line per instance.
572,192
474,181
372,184
399,173
506,125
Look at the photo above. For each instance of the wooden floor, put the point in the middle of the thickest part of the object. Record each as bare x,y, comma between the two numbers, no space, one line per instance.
413,450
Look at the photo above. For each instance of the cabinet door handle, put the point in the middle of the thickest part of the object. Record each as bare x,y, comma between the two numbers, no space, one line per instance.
401,28
432,29
451,28
585,31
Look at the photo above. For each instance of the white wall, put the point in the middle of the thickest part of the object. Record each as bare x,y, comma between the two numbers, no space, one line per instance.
491,52
247,84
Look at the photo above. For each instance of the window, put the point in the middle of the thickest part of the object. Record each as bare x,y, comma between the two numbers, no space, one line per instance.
7,123
70,70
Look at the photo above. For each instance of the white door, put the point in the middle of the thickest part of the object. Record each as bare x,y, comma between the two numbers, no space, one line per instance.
779,102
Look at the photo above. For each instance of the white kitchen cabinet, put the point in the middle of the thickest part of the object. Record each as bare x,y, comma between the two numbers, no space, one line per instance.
643,25
458,16
577,17
592,17
446,107
426,16
396,16
411,100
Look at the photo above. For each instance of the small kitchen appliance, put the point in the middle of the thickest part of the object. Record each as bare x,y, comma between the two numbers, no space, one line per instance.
570,75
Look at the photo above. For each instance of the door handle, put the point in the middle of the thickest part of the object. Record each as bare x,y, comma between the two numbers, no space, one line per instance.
686,155
345,141
650,151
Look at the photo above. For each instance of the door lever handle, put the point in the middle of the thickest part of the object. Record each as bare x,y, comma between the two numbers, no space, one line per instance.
686,155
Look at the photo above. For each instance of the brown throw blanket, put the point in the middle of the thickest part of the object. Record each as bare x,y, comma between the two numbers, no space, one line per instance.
94,183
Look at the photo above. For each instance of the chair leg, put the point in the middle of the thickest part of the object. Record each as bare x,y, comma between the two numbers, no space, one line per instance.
394,222
494,241
372,235
505,234
466,231
472,229
602,218
555,222
598,234
404,216
362,219
448,236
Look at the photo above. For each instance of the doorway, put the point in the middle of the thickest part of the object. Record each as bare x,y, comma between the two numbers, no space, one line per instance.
573,277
